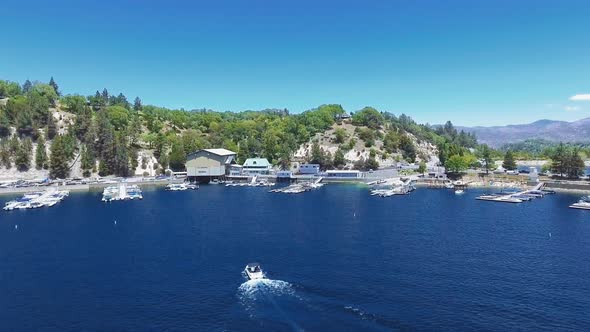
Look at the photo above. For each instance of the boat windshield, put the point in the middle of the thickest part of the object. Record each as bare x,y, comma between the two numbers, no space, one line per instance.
254,268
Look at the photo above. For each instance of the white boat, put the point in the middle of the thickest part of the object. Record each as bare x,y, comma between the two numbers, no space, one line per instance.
582,204
176,187
192,186
254,272
459,192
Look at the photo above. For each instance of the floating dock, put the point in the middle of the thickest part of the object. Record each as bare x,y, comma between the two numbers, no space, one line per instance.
37,199
121,192
301,187
517,196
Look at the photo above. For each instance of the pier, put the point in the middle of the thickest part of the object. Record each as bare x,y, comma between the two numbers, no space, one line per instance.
518,196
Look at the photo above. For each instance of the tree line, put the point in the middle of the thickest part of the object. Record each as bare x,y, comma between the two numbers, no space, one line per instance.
107,131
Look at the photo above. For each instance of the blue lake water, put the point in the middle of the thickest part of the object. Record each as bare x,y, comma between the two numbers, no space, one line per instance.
337,258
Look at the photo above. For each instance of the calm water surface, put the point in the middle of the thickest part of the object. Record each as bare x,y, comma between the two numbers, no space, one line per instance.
337,258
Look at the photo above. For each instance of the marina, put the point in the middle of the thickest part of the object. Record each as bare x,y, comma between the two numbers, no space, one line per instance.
38,199
121,192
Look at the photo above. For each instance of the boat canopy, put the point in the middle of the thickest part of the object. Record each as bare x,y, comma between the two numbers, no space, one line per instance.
253,265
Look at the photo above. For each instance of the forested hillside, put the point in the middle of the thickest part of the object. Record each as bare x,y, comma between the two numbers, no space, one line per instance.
106,134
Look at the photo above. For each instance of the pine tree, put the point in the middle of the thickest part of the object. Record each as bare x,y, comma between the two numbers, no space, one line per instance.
558,160
105,96
54,86
339,160
575,164
58,163
137,104
5,153
4,124
108,154
51,127
486,155
509,163
87,161
14,145
121,157
40,154
82,123
27,86
23,155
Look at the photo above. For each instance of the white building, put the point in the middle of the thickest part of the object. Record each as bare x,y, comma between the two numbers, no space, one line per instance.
255,166
335,173
309,169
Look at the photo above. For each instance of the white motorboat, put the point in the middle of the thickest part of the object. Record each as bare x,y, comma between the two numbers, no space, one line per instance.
582,204
254,272
176,187
459,192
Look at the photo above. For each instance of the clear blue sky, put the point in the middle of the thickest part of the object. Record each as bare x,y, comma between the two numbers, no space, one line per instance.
475,62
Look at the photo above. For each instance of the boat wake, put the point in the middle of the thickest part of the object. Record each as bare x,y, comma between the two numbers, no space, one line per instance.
257,295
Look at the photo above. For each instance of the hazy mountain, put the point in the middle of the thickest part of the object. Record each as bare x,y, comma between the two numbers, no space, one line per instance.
550,130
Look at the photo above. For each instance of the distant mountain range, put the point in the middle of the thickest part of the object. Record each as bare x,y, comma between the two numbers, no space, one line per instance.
549,130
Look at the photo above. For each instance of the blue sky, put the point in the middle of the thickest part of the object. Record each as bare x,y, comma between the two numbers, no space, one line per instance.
473,62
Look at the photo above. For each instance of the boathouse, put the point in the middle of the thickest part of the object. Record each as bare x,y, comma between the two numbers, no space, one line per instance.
208,164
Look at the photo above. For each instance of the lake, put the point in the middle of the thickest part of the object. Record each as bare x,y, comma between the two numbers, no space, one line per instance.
337,259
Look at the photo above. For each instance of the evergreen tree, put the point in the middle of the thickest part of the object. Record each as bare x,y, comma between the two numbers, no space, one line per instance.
134,130
486,156
83,123
371,164
103,169
339,160
121,157
558,160
108,155
105,96
133,156
54,86
509,163
40,154
4,124
14,145
23,155
86,162
408,149
51,127
5,153
27,86
137,104
575,164
58,162
177,157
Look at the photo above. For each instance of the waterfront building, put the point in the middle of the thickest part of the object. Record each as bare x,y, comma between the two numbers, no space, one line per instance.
309,169
236,170
352,174
207,164
256,166
284,175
